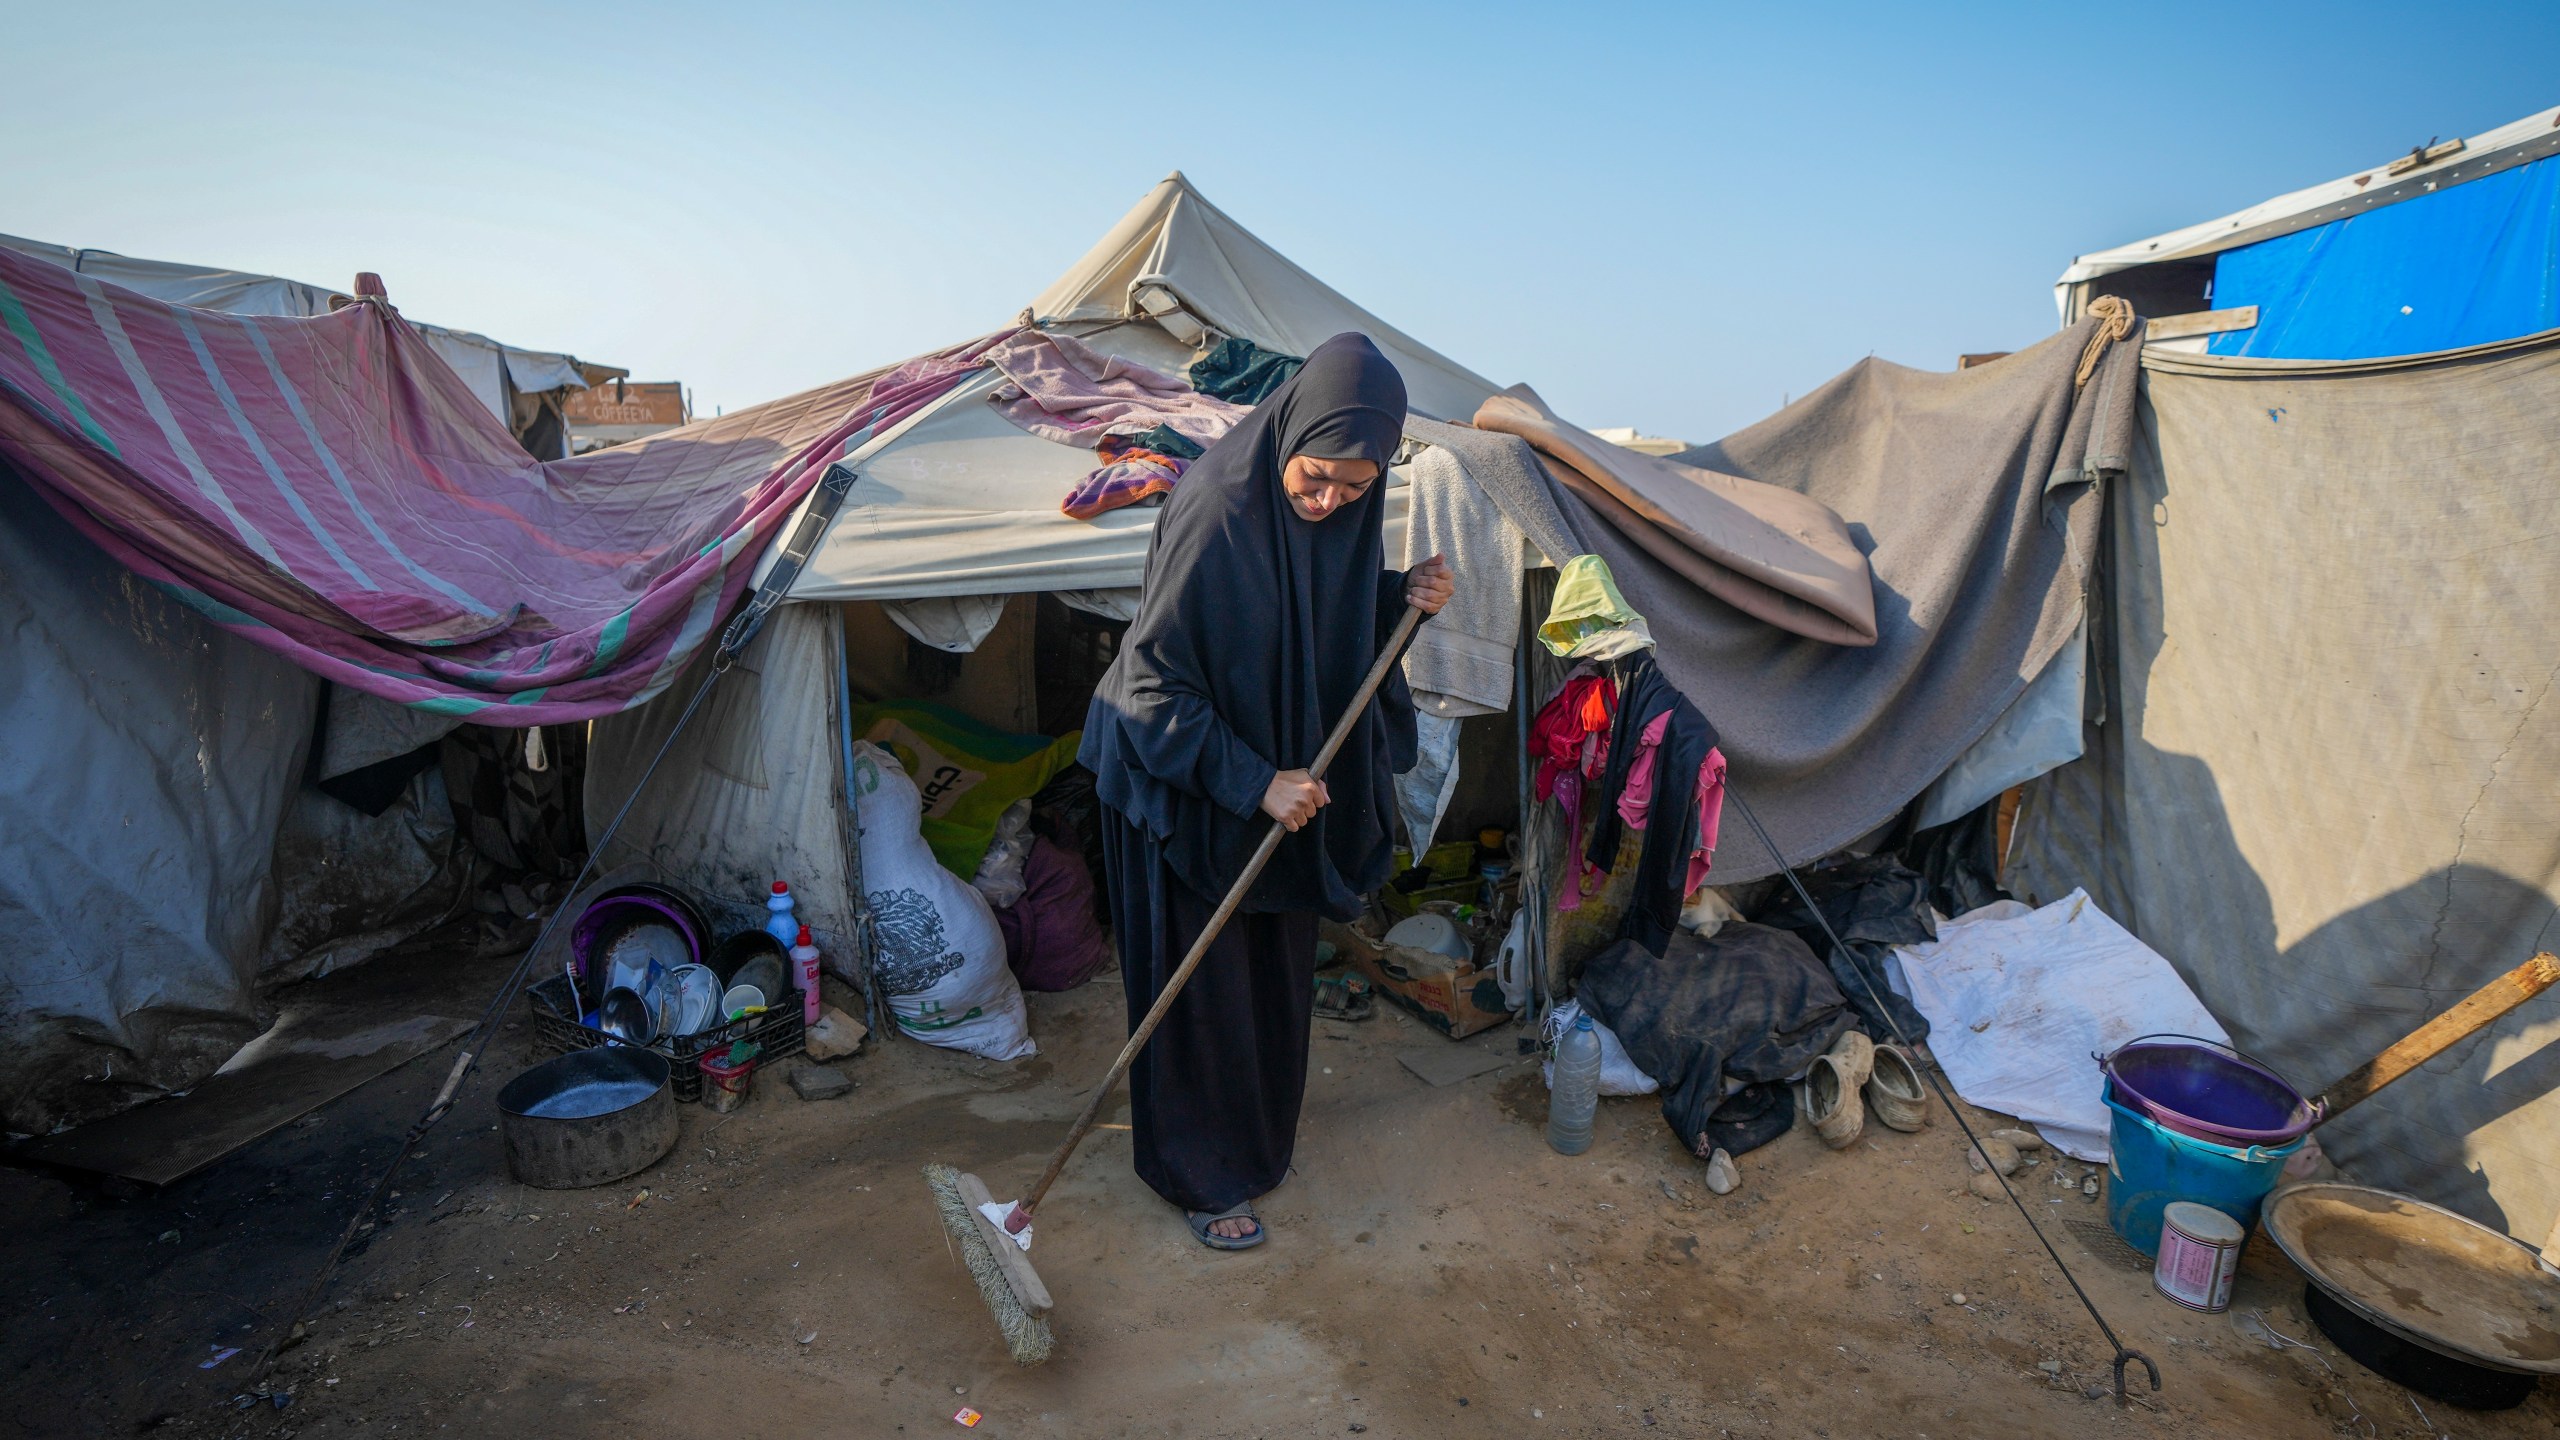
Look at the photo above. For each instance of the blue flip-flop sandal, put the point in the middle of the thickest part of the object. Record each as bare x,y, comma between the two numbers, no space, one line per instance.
1201,1220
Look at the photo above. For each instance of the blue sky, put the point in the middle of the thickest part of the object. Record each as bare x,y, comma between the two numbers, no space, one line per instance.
1666,216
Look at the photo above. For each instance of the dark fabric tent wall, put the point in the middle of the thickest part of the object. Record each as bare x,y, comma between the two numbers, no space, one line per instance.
152,758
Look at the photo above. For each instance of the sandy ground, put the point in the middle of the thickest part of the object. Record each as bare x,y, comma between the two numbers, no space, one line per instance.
1434,1269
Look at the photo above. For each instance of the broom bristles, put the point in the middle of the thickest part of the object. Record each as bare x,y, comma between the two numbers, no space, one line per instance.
1025,1335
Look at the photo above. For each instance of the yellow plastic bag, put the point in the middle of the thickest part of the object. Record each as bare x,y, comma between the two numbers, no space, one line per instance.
966,773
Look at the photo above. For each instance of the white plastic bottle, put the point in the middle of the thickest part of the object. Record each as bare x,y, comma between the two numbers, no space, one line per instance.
804,963
1576,1096
779,922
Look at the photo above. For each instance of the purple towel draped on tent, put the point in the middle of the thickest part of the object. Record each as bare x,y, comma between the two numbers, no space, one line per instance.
328,488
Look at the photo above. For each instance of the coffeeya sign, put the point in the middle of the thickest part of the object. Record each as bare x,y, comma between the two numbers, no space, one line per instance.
628,402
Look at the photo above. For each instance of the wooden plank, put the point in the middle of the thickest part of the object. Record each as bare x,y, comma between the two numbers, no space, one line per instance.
2202,322
2426,155
1011,1258
2436,1036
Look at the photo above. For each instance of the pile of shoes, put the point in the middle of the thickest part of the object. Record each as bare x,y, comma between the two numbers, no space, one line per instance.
1857,1075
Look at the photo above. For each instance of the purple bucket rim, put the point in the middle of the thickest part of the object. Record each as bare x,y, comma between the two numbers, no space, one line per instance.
2305,1113
583,934
2250,1151
686,908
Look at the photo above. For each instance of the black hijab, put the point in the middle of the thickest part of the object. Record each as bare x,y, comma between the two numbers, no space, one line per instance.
1254,630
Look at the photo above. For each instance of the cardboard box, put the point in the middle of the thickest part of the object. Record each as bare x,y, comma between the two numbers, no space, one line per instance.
1457,1004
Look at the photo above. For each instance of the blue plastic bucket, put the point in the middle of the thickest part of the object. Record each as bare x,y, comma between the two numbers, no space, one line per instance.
2150,1167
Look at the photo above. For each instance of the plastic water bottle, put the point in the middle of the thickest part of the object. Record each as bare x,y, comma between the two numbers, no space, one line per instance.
1576,1096
779,922
804,963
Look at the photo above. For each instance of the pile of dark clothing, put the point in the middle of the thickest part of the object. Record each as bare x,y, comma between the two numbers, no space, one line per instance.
1726,1022
1053,935
1874,903
1723,1023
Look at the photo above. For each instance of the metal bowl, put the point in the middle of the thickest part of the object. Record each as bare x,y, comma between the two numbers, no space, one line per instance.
588,1118
625,1015
766,976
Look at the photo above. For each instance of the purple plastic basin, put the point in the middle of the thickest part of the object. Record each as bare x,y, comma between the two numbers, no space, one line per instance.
2208,1091
616,911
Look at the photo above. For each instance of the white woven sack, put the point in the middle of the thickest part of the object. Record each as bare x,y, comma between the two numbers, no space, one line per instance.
941,966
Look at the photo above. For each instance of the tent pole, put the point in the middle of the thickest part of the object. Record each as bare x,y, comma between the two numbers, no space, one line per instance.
1533,894
849,836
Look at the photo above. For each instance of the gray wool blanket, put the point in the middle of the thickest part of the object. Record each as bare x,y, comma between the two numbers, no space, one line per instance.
1975,497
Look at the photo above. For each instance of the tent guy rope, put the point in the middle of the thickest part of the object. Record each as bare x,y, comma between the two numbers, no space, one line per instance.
2123,1353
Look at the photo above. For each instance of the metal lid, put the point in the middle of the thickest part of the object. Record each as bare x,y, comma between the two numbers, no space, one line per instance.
2203,1222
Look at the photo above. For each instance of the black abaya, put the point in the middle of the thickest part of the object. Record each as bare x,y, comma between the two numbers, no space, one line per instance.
1213,1099
1254,630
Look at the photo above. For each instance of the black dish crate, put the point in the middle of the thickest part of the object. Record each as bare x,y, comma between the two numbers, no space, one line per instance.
778,1030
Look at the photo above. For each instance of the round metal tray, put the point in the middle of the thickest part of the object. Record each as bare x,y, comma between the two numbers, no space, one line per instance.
2423,1273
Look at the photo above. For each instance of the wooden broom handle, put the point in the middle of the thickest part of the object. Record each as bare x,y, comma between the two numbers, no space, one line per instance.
1209,933
2440,1034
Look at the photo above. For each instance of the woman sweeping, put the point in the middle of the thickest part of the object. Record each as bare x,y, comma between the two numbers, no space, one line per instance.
1265,604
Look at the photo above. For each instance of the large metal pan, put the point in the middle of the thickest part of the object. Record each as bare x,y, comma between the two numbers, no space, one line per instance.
2457,1291
588,1118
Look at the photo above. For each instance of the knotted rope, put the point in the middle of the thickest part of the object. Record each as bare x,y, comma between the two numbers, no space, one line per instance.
2114,315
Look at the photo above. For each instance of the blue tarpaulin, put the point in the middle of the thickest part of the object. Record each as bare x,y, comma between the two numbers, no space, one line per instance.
2475,263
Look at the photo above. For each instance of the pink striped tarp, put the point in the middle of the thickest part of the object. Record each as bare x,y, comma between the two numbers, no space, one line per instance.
328,488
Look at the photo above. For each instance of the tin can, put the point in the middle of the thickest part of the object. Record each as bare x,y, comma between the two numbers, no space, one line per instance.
2199,1250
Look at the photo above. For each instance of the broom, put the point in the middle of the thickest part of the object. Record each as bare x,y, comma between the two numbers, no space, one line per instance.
997,1261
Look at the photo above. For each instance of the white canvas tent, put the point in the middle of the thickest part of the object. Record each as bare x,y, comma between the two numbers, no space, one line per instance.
960,502
2169,279
2317,775
954,513
161,936
1185,262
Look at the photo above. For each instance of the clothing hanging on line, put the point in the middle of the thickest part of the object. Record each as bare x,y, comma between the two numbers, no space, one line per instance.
1635,802
1569,740
1627,749
1670,836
